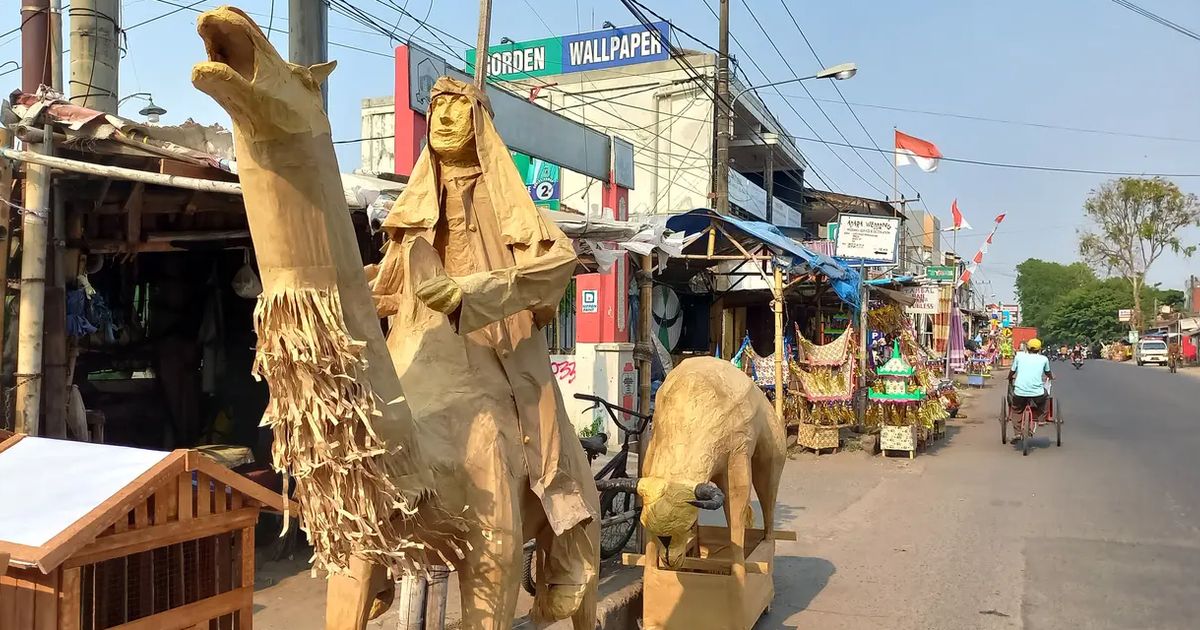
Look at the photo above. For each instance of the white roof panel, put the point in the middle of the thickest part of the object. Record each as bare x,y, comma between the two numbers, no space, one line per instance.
47,485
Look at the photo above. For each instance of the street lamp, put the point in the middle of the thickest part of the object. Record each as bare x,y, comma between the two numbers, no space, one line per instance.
151,111
840,72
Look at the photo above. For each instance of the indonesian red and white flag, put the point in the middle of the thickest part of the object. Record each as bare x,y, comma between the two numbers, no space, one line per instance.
983,249
911,150
959,222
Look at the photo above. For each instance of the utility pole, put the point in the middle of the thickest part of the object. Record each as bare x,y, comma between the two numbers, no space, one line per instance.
56,70
308,36
36,54
95,56
769,182
481,43
724,120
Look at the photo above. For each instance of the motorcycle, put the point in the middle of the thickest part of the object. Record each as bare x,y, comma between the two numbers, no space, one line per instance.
1077,361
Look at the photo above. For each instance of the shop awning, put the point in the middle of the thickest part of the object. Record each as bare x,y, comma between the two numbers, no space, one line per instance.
788,252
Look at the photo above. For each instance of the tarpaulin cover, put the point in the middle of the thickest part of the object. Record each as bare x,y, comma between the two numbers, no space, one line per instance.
845,281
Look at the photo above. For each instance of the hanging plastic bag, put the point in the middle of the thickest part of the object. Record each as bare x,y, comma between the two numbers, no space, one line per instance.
245,282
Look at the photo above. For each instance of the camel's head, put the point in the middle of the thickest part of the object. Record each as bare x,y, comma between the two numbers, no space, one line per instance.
265,95
670,510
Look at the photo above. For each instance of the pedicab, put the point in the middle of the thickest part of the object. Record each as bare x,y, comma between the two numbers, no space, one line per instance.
1024,423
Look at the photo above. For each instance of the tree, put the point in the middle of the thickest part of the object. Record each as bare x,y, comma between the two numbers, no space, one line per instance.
1134,222
1042,284
1088,314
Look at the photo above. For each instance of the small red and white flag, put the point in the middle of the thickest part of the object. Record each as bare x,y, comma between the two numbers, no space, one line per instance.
983,249
959,222
911,150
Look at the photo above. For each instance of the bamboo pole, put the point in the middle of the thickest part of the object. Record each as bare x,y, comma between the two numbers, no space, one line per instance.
117,172
780,356
31,316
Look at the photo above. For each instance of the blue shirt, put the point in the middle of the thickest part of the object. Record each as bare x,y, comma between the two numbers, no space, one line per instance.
1029,368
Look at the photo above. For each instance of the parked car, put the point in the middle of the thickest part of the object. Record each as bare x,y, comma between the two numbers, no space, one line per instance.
1150,351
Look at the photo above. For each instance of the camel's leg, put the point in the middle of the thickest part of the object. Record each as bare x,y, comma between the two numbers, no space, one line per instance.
737,504
349,596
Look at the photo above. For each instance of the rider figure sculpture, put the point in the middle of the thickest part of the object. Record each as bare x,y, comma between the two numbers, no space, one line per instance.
1029,371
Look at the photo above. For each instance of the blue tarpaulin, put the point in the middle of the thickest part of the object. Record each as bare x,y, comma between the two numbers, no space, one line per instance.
789,252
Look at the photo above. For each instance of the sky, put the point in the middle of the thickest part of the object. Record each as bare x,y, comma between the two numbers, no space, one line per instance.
1086,64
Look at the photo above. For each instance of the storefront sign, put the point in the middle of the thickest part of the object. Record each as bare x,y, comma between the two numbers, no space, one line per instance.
1125,315
927,298
590,301
608,48
940,273
542,178
872,239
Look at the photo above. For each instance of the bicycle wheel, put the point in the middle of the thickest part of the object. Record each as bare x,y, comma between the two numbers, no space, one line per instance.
1026,430
614,537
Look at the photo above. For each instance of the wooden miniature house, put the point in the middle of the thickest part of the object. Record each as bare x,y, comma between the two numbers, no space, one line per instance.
107,537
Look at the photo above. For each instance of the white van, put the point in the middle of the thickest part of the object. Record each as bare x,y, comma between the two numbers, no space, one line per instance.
1150,351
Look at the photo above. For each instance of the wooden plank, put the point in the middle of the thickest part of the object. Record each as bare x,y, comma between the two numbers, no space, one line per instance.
160,504
171,500
203,494
141,515
133,214
45,601
69,609
136,540
195,612
235,499
24,604
220,497
10,442
185,497
8,604
270,500
87,528
247,556
3,563
715,565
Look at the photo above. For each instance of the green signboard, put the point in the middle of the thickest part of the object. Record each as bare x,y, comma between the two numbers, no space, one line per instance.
543,179
522,60
941,273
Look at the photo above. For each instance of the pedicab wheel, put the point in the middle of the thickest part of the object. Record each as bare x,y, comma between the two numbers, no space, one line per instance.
1026,430
1058,422
1004,420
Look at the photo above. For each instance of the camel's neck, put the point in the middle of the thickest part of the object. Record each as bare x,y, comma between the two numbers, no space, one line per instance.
290,186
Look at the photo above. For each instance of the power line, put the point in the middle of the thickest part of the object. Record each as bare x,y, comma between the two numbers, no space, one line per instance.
1154,17
1028,167
1106,132
784,58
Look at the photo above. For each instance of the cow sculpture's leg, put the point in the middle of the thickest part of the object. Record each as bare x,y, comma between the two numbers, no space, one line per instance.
737,510
767,471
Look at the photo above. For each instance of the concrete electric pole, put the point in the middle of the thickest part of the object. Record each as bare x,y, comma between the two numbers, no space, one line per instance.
308,36
724,117
95,56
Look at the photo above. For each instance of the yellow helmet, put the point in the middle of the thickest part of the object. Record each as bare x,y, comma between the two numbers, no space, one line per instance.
1035,344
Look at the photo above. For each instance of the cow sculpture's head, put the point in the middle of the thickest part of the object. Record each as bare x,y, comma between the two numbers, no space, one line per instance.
265,95
670,510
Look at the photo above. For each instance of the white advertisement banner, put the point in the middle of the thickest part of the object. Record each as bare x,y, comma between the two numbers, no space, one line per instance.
868,238
927,298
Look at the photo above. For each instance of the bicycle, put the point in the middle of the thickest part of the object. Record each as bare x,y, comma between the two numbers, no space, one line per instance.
619,508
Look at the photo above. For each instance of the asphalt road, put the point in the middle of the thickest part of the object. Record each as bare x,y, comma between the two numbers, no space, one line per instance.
1101,533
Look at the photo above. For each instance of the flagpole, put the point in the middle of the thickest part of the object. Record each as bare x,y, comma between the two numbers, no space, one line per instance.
953,300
